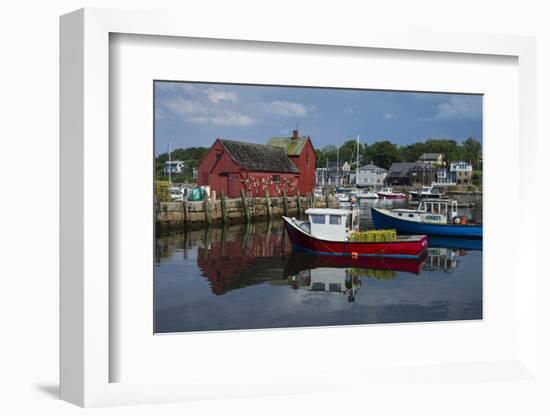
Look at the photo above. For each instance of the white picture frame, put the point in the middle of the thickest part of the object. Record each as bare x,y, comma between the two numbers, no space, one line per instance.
85,203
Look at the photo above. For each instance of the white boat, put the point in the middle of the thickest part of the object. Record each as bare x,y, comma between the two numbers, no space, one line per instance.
427,192
389,194
176,194
343,197
367,195
346,195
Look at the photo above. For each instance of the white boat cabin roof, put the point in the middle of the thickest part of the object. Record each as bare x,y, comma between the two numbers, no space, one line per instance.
327,211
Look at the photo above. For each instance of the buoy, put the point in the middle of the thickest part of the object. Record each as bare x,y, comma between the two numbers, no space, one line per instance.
354,255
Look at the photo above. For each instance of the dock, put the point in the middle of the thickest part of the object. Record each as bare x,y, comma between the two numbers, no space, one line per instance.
191,215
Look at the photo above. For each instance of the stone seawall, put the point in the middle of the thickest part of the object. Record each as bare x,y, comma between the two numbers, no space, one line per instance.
172,216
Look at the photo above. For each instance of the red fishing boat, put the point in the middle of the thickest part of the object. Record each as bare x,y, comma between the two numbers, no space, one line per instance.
299,261
330,232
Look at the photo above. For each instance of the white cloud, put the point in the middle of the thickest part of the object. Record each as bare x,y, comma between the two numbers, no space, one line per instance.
287,109
227,119
388,116
218,95
349,111
184,107
457,107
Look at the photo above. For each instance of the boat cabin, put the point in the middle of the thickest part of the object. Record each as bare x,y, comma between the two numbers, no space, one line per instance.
436,211
332,224
442,207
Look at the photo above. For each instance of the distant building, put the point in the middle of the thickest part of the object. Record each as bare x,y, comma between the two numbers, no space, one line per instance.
444,178
370,175
398,173
461,172
301,152
231,166
345,174
173,167
331,175
433,159
327,175
411,174
422,175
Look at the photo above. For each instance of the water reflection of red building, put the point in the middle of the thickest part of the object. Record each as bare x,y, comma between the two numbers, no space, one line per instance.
243,261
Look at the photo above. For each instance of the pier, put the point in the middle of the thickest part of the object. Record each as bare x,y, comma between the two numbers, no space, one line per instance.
173,216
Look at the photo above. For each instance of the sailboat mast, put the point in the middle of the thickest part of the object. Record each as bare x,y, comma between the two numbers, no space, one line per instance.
338,165
170,161
357,163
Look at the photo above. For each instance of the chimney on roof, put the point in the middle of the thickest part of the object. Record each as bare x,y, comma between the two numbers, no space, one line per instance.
294,134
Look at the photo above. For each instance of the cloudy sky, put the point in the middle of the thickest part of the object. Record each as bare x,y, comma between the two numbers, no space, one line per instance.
193,114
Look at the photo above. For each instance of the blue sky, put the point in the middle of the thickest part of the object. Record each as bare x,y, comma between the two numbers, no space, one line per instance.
194,114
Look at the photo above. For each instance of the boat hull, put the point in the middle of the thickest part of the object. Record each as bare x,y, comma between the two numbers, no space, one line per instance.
463,243
398,249
299,261
367,196
391,196
382,220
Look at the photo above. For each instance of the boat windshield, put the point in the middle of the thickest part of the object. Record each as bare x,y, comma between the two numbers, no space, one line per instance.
442,207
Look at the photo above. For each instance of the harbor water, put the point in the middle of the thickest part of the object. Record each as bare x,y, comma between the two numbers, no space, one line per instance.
248,277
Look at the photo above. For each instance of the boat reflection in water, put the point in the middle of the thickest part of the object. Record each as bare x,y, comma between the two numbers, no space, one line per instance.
340,274
256,257
249,277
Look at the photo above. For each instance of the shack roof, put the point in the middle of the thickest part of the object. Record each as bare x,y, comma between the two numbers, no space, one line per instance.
293,147
259,157
430,156
371,166
401,169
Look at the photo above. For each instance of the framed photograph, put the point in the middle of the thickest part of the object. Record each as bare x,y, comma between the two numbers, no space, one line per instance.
291,213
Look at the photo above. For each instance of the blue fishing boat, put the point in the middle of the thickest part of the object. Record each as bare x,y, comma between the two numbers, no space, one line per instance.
432,217
462,243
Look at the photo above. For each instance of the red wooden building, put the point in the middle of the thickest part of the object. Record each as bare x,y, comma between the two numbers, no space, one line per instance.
230,166
285,163
300,150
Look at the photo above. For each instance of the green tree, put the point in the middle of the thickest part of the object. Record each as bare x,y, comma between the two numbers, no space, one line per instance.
383,154
472,151
412,152
191,156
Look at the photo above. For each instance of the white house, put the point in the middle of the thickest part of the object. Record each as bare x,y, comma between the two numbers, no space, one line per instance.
432,159
461,172
371,175
174,167
444,178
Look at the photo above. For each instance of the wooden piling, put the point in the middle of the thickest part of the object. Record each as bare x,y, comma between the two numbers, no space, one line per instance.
268,205
157,207
299,203
206,209
246,207
186,213
326,197
285,204
223,208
